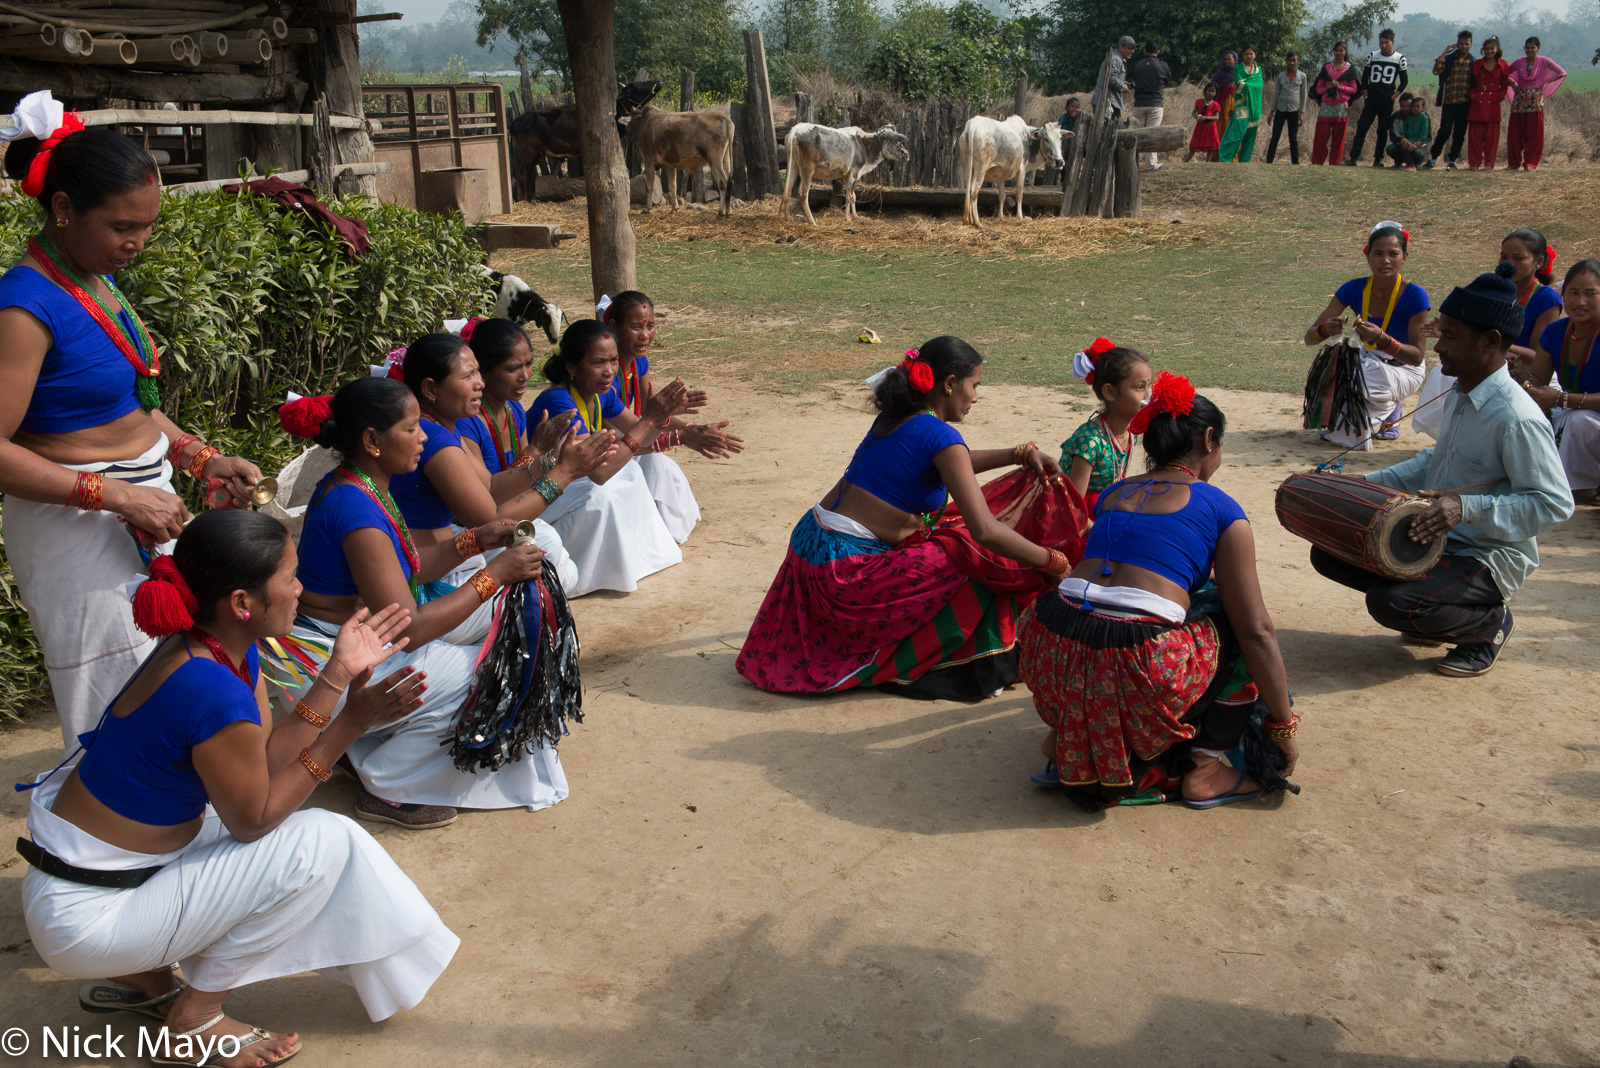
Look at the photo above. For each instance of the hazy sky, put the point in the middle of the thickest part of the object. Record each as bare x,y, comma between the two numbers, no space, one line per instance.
416,11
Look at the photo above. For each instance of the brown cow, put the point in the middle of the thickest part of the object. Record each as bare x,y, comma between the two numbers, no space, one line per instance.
554,131
683,141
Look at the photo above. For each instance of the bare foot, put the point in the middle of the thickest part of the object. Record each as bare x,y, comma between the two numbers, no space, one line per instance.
253,1052
1212,778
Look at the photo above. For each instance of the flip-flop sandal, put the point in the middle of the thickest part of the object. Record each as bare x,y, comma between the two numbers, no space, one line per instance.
246,1040
1225,799
1050,776
103,995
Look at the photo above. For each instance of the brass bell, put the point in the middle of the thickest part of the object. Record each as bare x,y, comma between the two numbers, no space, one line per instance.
264,492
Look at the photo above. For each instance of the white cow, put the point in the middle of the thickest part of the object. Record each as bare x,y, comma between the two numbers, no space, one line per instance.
831,153
996,152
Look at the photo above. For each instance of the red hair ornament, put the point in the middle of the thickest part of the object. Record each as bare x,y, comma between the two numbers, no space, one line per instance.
39,169
1085,362
917,371
163,604
1170,394
303,417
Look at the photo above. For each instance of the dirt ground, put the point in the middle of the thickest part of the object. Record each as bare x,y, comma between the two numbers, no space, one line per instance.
742,878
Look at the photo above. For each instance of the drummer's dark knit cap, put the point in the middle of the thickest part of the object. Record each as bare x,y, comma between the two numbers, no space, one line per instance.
1488,302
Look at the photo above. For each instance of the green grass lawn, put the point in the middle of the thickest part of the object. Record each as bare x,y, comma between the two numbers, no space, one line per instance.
1228,308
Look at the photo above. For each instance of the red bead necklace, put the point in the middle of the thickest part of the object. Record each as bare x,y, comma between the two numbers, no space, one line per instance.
221,654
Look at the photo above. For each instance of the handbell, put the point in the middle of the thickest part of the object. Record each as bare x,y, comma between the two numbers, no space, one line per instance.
523,534
264,492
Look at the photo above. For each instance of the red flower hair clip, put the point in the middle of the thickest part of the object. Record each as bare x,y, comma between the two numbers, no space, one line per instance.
39,169
1084,363
304,416
1170,394
917,371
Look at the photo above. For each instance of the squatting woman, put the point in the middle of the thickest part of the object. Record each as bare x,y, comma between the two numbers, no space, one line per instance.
610,521
1392,313
178,836
1138,691
356,549
874,591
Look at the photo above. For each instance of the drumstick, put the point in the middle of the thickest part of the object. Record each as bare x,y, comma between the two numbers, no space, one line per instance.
1382,424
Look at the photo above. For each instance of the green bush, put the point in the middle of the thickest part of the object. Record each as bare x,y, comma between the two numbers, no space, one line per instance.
247,301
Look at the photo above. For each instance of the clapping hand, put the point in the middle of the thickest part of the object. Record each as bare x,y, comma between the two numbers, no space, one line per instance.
673,399
581,456
364,642
390,698
549,431
710,440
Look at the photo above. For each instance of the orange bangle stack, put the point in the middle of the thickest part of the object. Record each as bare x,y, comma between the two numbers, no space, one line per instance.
318,772
197,463
88,492
484,585
1058,566
304,711
467,544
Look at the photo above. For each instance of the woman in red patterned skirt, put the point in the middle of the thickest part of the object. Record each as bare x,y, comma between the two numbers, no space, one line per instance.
1144,679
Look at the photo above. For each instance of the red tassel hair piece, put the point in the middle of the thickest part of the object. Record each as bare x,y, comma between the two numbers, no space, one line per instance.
919,373
1170,394
163,604
303,418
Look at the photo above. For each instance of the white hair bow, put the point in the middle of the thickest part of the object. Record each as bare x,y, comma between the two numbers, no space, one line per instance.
1082,365
601,305
37,116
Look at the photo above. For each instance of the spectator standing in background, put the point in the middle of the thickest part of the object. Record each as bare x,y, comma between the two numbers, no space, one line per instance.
1534,79
1148,76
1491,83
1069,118
1289,96
1384,79
1334,87
1454,68
1206,137
1116,81
1239,139
1224,78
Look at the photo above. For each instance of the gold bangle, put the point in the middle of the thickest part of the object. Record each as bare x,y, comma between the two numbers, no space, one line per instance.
633,444
1020,454
318,772
197,462
483,584
467,544
316,719
1281,732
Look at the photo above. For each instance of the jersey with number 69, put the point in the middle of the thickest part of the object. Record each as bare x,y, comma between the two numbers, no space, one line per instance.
1385,75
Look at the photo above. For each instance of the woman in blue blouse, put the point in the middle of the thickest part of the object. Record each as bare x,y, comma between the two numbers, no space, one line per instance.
178,837
1390,317
1566,352
86,455
609,521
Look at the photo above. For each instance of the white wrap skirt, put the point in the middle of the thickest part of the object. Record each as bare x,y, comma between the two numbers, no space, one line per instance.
75,570
404,761
316,894
670,490
613,532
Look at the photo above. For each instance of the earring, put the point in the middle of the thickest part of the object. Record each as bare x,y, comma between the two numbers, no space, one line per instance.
61,223
376,453
948,391
245,616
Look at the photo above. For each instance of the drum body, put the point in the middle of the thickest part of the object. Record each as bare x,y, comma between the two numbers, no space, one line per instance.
1360,522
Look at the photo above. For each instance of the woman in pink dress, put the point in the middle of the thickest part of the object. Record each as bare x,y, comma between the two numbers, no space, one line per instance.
1534,80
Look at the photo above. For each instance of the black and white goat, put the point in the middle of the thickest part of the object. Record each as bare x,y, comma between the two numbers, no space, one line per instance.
514,299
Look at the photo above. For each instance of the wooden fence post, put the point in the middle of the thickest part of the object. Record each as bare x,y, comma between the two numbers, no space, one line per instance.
761,146
1126,194
690,185
1019,101
740,178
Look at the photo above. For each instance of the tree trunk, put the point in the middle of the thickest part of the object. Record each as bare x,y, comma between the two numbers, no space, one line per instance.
526,79
336,71
1019,100
761,150
589,26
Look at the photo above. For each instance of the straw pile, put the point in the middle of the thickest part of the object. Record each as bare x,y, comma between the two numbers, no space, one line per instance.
762,224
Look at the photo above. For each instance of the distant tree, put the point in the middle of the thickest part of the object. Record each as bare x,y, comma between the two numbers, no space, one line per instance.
1193,33
662,36
853,30
967,51
534,29
795,27
1352,23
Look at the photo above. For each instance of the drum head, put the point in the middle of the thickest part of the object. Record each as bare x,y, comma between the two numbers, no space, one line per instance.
1400,557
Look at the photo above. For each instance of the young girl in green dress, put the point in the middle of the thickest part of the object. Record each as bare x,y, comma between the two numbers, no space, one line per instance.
1096,455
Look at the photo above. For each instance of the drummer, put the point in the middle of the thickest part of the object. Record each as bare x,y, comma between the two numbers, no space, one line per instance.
1495,481
1391,314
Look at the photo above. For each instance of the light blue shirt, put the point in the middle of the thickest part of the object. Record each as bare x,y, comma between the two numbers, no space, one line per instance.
1495,432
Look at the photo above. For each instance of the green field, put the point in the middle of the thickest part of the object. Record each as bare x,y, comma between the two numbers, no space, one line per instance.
1266,247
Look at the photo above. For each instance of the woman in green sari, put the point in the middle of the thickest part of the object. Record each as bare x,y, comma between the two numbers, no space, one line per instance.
1240,139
